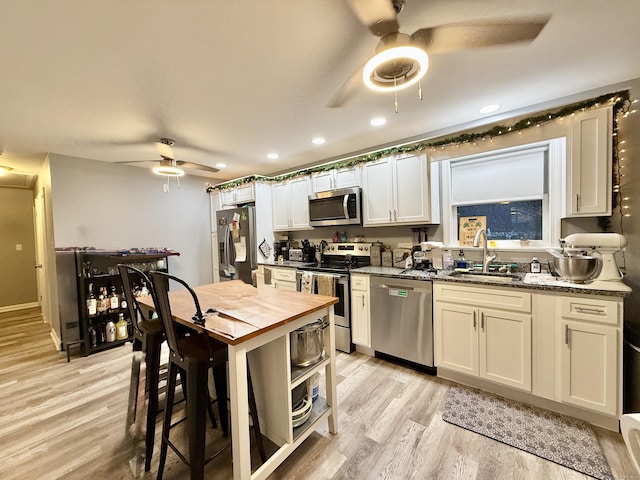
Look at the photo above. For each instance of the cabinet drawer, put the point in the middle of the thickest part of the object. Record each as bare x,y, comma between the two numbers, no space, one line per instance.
591,309
360,282
501,298
285,274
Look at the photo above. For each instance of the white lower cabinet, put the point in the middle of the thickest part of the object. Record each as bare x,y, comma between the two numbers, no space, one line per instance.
489,343
558,346
284,278
360,311
589,349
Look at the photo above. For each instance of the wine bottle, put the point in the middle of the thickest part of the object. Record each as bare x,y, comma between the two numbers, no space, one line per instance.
114,301
101,306
92,303
121,328
93,335
123,300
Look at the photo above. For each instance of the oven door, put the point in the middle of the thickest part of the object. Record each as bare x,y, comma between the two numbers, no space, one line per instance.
341,312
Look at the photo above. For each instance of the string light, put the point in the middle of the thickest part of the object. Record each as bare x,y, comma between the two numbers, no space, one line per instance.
620,102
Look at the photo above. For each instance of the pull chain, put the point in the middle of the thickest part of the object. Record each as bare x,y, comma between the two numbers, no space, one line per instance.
419,89
395,94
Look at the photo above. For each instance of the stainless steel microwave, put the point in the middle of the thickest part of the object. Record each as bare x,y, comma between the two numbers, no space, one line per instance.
335,207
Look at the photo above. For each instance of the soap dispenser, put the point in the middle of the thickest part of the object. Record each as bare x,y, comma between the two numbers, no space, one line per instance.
461,262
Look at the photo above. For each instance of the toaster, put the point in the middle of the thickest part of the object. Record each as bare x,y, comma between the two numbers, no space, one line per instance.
295,254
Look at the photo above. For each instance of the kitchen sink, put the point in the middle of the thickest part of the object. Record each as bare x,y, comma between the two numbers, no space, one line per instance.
487,276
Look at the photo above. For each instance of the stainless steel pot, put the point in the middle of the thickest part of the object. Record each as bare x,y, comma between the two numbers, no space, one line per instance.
307,343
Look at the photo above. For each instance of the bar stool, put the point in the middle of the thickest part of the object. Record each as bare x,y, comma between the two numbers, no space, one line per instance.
148,336
194,355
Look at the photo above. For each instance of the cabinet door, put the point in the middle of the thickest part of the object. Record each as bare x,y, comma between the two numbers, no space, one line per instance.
299,202
377,201
588,366
280,193
505,348
228,197
360,326
322,181
244,193
411,187
589,168
346,177
456,337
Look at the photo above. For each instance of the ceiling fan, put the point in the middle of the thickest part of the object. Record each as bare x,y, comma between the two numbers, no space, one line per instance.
401,60
168,165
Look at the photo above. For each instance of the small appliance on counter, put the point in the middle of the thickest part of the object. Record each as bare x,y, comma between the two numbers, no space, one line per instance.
295,254
281,248
588,259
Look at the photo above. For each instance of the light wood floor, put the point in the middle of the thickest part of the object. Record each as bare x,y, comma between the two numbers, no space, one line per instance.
67,420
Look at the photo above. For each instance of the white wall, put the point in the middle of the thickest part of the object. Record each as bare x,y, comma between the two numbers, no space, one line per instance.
106,205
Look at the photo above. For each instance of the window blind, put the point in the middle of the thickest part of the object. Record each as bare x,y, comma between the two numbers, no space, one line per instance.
498,178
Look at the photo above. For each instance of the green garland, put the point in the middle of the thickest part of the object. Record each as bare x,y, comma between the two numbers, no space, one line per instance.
620,101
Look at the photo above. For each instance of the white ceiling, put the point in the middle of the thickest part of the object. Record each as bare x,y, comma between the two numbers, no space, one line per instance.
233,80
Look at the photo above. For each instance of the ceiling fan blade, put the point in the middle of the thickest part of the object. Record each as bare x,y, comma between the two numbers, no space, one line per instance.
464,36
347,90
378,15
197,166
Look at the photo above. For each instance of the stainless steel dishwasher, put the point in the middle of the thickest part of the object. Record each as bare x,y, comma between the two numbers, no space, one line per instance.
402,319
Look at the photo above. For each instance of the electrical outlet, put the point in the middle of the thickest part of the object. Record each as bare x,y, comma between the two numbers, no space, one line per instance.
18,246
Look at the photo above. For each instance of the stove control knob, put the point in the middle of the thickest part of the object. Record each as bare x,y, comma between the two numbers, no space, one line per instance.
366,249
360,248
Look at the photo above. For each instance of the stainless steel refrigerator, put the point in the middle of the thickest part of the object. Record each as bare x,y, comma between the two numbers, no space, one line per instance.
237,243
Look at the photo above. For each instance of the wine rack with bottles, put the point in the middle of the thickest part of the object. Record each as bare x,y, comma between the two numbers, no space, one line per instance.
103,315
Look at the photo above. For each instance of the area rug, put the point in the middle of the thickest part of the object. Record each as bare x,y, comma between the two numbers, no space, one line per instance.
563,440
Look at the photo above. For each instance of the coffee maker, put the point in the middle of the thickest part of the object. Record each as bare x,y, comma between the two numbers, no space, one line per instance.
281,248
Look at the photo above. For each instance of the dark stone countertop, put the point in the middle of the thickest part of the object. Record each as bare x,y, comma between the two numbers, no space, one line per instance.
526,281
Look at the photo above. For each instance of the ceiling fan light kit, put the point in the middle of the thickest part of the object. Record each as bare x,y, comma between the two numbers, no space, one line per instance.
168,170
395,68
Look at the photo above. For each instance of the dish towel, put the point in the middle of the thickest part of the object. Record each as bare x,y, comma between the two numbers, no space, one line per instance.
326,285
306,282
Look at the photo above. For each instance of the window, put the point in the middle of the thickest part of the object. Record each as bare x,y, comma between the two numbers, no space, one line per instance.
518,190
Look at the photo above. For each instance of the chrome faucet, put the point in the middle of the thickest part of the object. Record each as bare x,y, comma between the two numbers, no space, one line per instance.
486,258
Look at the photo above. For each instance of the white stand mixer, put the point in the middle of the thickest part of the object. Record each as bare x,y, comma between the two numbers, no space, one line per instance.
605,245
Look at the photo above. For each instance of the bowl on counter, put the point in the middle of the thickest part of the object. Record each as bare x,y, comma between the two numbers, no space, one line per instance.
576,268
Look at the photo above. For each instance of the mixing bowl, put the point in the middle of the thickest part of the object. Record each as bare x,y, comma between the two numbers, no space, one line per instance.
576,268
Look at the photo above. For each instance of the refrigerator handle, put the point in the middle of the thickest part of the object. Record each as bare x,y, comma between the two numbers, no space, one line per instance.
230,254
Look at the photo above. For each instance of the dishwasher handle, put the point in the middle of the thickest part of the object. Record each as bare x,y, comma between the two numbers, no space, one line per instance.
385,286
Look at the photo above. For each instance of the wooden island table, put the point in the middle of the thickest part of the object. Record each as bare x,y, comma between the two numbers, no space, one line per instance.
255,324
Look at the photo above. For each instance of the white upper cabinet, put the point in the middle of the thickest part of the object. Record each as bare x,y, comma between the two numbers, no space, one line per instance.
336,178
589,164
240,194
396,190
291,204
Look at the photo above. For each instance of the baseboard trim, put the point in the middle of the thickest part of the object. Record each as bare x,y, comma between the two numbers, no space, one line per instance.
22,306
57,341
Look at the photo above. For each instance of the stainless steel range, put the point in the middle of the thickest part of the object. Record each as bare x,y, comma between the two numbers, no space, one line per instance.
338,259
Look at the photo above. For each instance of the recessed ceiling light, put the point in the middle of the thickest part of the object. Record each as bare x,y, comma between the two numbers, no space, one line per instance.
378,121
489,108
221,165
273,156
318,141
